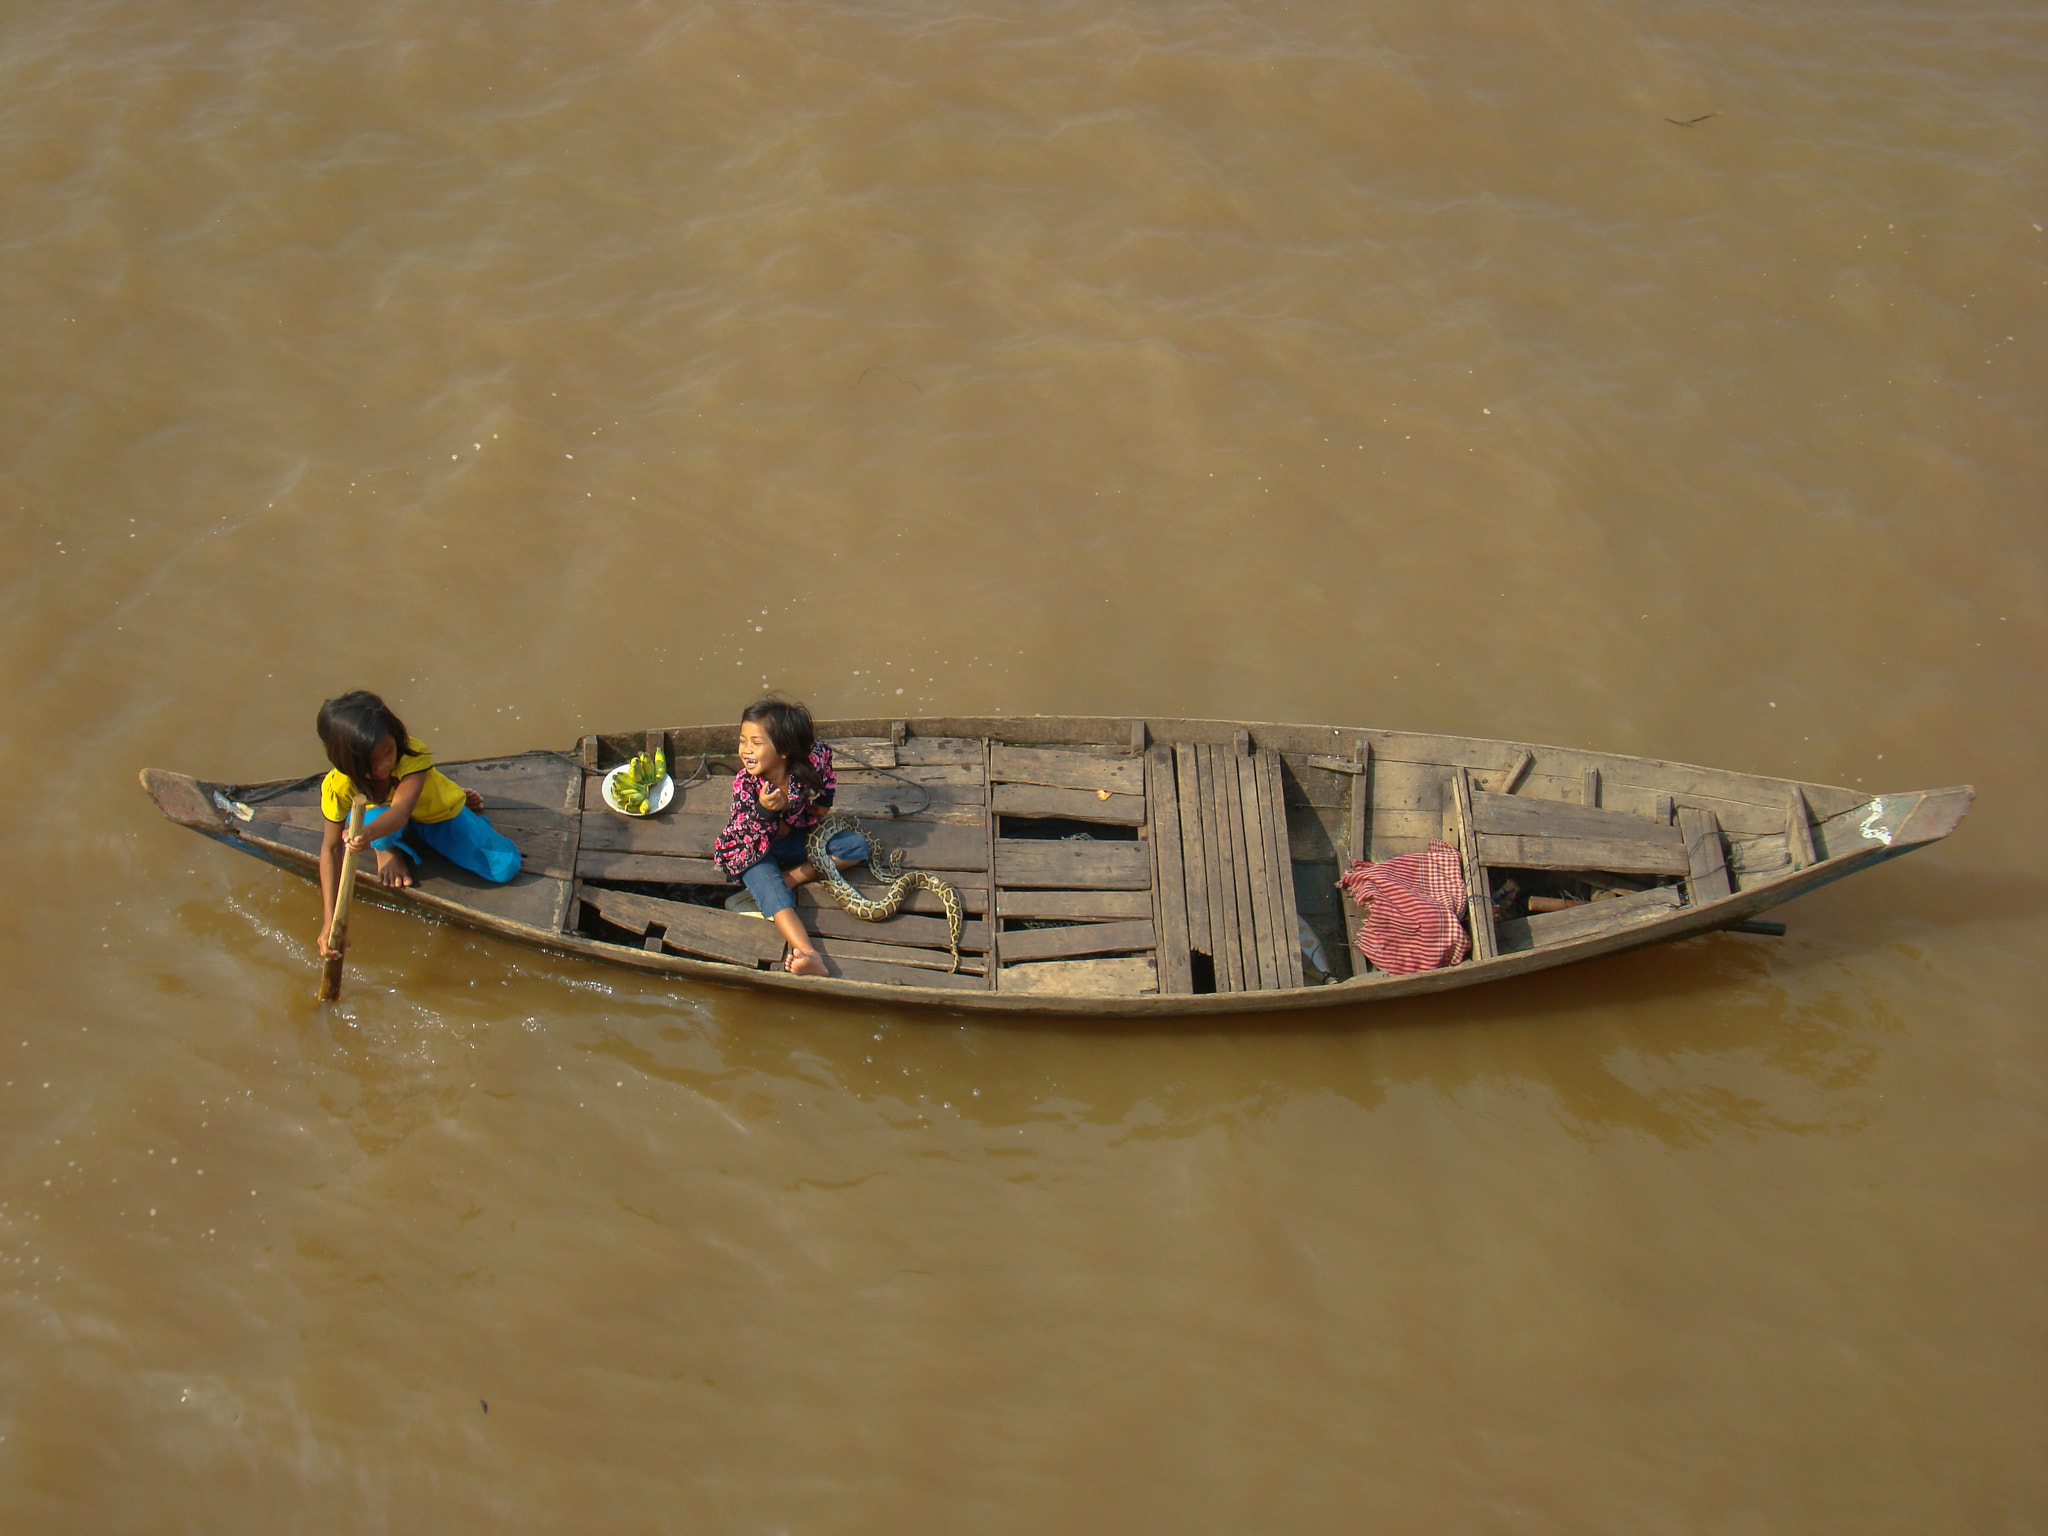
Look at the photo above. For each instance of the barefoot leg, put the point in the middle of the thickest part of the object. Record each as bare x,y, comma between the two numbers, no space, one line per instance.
803,960
392,867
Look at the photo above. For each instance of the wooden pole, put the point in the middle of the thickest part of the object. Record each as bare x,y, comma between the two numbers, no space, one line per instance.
337,931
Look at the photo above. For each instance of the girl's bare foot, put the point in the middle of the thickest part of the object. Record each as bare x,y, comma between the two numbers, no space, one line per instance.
804,962
392,868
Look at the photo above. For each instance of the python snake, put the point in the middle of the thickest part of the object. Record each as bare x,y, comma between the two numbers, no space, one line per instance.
900,882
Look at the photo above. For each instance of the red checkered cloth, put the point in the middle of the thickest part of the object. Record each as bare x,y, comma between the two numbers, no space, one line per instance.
1412,906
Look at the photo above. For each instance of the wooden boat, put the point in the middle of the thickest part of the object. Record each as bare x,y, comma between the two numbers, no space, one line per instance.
1126,867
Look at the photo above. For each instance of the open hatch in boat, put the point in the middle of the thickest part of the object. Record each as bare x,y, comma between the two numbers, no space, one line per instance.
1127,867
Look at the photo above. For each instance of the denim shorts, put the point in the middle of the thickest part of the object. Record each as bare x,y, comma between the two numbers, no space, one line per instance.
764,878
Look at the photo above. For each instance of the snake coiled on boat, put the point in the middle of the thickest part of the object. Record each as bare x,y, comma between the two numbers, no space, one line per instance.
900,882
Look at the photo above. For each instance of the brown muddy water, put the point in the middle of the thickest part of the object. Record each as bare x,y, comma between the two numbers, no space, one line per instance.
1666,378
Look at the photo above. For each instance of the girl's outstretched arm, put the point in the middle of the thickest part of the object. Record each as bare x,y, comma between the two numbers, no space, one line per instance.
330,879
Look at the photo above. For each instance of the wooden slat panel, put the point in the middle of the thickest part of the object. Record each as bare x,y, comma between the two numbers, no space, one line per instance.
863,752
1231,766
1520,816
1273,807
1124,976
1074,804
1707,860
689,836
1638,858
1798,829
940,749
924,961
928,932
1262,955
1230,967
708,931
1066,770
1021,944
1479,891
1076,906
1593,920
1169,885
1194,856
1073,865
924,903
933,845
993,971
661,868
847,969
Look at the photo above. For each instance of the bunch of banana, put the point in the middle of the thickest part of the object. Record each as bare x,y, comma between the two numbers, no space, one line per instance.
639,780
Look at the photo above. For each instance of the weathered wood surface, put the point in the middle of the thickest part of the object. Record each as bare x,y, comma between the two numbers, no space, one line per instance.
1125,976
1592,920
1075,906
1478,888
708,931
1258,876
1194,849
903,928
1021,944
1516,816
1073,865
1223,879
657,868
1706,860
1798,829
1169,882
973,894
836,947
1273,813
1072,804
1499,852
1067,770
847,968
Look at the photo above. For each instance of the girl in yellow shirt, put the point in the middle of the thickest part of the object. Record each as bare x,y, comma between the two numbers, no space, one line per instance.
376,757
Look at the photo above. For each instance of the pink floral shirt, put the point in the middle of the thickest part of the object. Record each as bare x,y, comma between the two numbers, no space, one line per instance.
744,842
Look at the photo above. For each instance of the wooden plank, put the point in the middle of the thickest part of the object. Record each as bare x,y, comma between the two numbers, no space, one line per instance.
1073,804
1020,944
1075,906
708,931
1637,858
1593,920
1169,883
1072,864
927,932
1124,976
863,752
848,969
660,868
1798,828
688,836
1230,967
1504,782
1478,890
923,903
1194,858
835,947
1262,956
1273,807
992,977
933,845
967,750
1589,789
1707,860
1520,816
1066,770
1662,808
1231,765
1138,738
1359,803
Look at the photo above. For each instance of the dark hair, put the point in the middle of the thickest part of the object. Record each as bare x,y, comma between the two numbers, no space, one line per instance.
351,727
788,726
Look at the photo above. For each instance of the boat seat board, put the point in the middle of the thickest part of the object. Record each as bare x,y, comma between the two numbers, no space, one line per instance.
1071,804
1070,864
1123,976
1521,816
709,932
1706,857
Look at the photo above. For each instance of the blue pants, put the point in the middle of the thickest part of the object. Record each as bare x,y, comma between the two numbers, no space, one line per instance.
465,839
764,878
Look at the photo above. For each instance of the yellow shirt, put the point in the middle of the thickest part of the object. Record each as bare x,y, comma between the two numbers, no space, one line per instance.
441,798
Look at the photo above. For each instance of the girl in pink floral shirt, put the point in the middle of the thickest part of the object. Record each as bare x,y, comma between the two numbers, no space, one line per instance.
784,788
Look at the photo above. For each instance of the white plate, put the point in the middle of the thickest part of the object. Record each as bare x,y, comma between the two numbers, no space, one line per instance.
657,799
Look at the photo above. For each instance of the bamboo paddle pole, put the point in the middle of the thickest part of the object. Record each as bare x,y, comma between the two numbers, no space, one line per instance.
337,931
